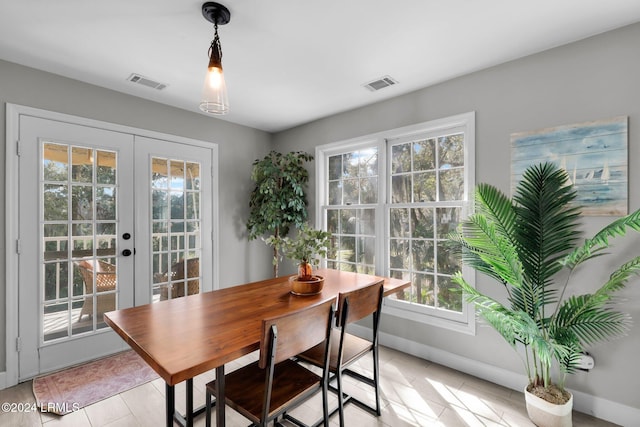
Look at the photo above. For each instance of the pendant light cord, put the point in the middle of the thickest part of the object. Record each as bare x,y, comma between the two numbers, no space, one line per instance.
215,45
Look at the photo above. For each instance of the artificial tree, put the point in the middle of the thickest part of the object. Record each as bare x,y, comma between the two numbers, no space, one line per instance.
278,200
524,242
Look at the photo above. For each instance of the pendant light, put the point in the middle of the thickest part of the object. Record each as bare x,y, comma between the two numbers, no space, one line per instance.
214,94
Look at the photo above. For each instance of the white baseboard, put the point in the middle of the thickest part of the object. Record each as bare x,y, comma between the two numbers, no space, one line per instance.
582,402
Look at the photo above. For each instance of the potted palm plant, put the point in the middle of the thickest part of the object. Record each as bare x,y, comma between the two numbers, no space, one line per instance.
524,243
305,249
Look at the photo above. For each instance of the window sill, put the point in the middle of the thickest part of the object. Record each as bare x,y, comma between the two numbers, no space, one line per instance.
396,310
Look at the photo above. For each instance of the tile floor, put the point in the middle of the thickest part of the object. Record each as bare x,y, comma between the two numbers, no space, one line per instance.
415,392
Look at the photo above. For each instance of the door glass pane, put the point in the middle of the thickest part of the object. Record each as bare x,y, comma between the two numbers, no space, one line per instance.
176,238
193,176
55,197
78,239
82,239
82,164
55,162
106,203
106,167
82,202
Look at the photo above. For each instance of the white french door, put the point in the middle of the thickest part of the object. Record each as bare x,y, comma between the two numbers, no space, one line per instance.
107,220
173,219
74,212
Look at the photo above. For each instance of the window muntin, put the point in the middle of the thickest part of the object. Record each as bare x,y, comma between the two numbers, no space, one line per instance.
176,238
353,240
418,252
353,177
78,229
350,214
426,197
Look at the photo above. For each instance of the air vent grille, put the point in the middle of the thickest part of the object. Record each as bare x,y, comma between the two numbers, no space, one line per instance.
380,83
137,78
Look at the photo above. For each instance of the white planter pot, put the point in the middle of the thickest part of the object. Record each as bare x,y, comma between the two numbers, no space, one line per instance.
546,414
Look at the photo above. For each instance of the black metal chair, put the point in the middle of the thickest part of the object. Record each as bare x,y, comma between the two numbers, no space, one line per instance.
264,390
347,348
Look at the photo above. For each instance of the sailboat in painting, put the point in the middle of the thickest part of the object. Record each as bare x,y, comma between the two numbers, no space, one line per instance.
606,174
563,166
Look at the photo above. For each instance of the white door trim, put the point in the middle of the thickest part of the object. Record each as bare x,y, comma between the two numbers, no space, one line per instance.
13,113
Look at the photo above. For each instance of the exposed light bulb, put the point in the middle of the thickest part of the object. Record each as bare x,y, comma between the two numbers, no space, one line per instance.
215,77
214,93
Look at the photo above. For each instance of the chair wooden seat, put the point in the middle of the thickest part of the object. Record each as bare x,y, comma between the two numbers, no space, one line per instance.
289,381
353,349
265,390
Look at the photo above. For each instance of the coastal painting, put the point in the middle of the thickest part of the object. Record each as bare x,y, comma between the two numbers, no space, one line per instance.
594,155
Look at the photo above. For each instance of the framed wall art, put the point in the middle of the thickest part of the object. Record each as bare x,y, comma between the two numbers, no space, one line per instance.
594,154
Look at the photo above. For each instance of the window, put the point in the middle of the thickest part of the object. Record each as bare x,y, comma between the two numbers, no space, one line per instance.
390,201
351,209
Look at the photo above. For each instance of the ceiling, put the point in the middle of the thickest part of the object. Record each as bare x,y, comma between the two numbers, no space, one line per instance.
288,62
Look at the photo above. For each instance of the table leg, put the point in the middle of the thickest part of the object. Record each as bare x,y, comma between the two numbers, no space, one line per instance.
170,398
189,415
177,417
220,419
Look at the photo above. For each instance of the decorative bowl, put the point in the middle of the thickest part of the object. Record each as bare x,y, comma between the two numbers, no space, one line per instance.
306,287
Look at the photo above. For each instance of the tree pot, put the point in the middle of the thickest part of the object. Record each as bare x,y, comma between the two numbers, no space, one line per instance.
303,287
546,414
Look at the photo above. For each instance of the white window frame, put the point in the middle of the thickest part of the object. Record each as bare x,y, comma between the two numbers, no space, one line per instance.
462,322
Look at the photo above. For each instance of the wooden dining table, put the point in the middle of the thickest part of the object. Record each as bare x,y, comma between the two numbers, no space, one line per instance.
184,337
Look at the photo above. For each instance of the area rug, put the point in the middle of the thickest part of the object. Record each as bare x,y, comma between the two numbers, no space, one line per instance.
71,389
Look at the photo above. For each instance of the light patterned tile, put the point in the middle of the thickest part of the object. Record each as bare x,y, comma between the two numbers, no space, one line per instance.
476,404
514,419
127,421
107,411
479,386
433,389
584,420
22,395
147,404
310,410
396,395
397,415
461,417
354,416
73,419
442,375
414,392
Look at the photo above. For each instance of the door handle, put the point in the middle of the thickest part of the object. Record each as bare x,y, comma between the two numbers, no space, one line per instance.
126,252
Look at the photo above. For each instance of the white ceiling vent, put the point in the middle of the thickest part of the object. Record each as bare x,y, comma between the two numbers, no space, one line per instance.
380,83
137,78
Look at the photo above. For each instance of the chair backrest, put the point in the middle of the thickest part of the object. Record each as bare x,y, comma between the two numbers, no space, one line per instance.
105,274
100,267
296,332
178,270
358,304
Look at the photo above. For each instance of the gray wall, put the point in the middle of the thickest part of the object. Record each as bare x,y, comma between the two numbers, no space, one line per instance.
238,147
591,79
